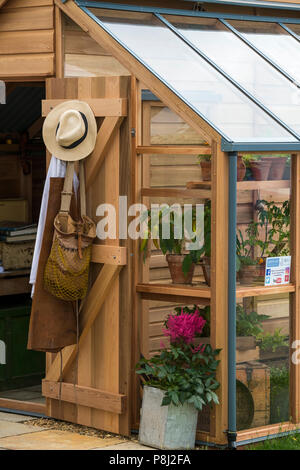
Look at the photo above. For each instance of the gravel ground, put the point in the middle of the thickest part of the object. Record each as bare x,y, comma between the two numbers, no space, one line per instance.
76,428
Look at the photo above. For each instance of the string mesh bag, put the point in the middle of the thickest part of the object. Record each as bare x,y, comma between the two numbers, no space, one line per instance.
67,269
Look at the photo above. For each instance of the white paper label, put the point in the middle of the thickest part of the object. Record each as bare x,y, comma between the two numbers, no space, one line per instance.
277,271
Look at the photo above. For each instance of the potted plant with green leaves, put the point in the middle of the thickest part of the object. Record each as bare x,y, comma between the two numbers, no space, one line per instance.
178,382
181,261
248,327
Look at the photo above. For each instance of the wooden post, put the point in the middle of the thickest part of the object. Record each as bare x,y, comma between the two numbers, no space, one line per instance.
295,279
219,286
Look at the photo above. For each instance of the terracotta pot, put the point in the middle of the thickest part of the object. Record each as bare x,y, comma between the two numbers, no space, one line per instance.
277,168
248,273
206,170
175,266
206,269
260,169
241,169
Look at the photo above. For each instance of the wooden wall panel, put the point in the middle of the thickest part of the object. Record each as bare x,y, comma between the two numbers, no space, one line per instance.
27,39
26,19
26,42
84,57
27,65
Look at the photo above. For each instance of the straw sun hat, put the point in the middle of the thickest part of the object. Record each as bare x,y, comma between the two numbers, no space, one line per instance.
70,131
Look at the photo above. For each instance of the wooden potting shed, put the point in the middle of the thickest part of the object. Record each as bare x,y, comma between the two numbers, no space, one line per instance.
168,82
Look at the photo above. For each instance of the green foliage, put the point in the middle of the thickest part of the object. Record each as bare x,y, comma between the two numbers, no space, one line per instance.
279,379
249,324
268,341
291,442
186,375
276,221
244,246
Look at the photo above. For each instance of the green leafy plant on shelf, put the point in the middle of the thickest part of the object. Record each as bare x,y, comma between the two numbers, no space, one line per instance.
172,244
275,219
249,324
271,342
245,246
185,372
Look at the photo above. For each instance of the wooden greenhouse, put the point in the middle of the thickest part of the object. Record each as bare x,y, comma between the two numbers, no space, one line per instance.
172,84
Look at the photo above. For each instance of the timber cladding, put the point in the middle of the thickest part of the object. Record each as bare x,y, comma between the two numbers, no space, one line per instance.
27,38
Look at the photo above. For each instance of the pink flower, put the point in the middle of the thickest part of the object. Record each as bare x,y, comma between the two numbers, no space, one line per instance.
184,326
200,348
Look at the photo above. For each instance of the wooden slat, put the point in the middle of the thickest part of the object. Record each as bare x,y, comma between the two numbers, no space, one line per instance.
18,405
26,42
173,150
26,3
26,19
139,70
27,65
179,290
14,286
109,254
177,193
244,291
266,431
264,185
85,396
101,106
92,306
105,135
59,44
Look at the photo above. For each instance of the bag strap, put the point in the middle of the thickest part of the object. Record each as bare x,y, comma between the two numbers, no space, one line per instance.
66,194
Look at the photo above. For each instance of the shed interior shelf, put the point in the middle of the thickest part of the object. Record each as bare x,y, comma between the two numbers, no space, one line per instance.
252,291
174,192
200,294
269,184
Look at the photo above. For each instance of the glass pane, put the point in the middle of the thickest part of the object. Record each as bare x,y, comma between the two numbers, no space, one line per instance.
274,42
251,71
262,356
167,127
193,79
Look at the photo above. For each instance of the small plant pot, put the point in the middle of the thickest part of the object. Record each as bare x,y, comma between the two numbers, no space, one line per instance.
206,170
277,168
166,427
206,269
175,266
261,270
260,169
241,169
248,273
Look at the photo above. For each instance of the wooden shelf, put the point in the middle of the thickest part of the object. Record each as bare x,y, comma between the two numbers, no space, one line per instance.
175,292
269,184
176,193
251,291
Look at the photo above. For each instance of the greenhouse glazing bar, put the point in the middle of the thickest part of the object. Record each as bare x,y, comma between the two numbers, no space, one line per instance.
229,78
170,11
258,51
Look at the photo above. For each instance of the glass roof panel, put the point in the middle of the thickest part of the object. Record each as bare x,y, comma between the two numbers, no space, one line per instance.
274,42
202,87
245,66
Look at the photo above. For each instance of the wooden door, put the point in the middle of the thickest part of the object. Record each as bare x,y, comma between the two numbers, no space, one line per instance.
96,378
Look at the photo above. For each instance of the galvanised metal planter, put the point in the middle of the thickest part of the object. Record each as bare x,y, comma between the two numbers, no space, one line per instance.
166,427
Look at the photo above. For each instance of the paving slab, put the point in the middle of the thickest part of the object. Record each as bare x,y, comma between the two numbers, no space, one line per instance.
15,418
126,446
14,429
55,440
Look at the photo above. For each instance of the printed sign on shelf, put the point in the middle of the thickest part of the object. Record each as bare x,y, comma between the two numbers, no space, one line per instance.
278,271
